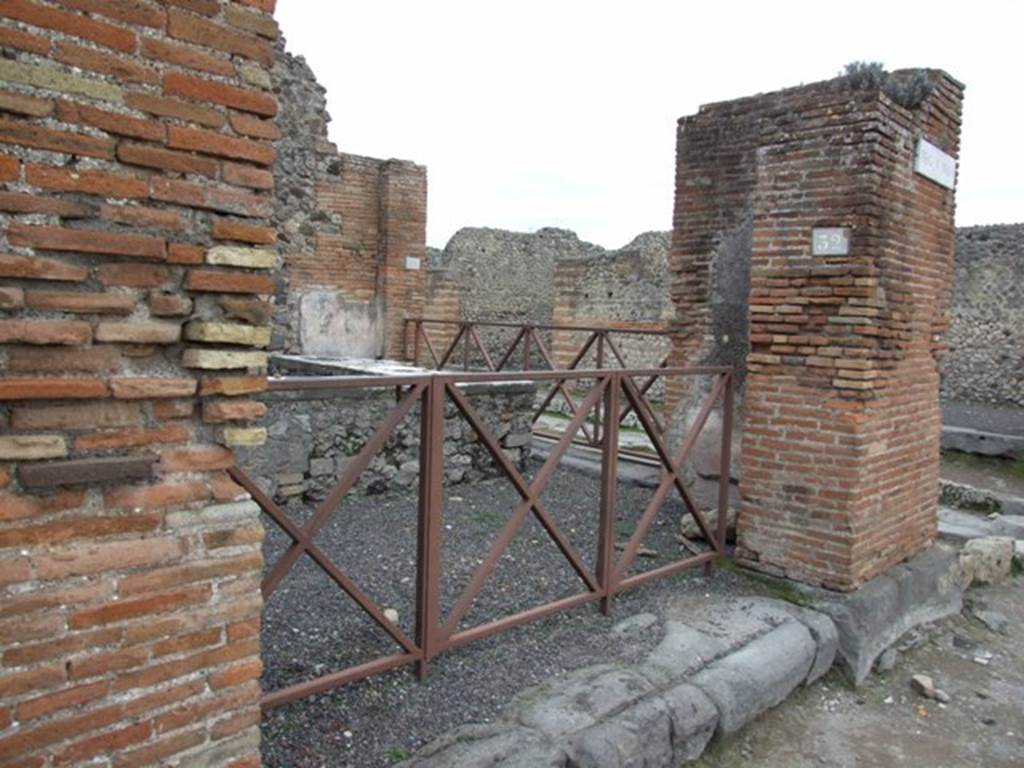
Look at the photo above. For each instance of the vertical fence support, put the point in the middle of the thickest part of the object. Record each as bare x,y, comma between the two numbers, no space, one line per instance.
417,332
597,408
527,338
431,502
725,462
609,490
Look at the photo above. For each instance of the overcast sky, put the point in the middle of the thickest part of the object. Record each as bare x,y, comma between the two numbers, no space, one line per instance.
562,113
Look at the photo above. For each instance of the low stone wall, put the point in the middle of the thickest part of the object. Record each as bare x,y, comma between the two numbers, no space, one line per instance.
313,435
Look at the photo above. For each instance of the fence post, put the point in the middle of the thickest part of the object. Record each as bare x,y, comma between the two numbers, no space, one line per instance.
609,489
431,503
725,462
527,337
417,330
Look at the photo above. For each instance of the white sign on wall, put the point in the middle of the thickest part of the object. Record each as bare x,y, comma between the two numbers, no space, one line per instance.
412,262
931,162
830,241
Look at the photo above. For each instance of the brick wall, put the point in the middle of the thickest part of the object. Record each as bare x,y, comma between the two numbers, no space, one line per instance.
136,264
841,420
350,223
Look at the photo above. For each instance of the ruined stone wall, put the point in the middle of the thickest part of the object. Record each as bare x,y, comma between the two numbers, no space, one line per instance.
137,261
840,442
353,232
552,277
985,361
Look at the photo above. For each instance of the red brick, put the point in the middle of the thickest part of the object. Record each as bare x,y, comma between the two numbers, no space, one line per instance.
193,29
199,196
64,699
172,409
155,752
228,282
14,570
199,89
220,411
166,434
73,24
105,63
133,275
30,739
26,359
232,385
156,496
91,182
111,122
14,507
181,110
165,159
40,268
87,241
51,389
246,176
232,724
226,489
169,305
135,388
185,253
250,125
24,41
142,216
36,136
190,642
14,683
234,537
124,610
228,229
18,202
222,145
187,56
91,416
109,742
198,458
24,105
44,332
77,301
89,528
174,576
140,12
110,556
10,168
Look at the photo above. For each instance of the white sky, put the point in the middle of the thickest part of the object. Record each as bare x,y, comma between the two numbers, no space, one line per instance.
562,113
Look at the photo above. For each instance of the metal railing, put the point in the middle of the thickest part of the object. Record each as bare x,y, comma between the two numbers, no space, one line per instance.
599,343
613,389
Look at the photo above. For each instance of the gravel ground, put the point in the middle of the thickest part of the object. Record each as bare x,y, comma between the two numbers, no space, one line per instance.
311,627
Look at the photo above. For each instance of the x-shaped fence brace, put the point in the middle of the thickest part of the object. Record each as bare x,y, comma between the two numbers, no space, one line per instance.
434,635
469,337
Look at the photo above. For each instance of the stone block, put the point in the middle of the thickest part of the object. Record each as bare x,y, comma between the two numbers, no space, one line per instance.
239,256
228,333
757,677
27,447
988,560
221,359
487,746
250,437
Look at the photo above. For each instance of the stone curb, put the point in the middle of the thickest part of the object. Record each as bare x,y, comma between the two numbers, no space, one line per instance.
710,675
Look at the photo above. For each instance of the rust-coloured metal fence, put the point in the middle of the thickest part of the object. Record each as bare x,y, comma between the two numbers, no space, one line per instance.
615,390
467,348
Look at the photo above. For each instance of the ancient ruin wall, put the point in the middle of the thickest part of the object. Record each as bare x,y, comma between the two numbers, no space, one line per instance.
985,360
352,232
137,260
841,435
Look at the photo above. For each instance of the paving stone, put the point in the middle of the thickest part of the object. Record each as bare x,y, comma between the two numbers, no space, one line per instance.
482,746
634,625
577,700
757,677
988,560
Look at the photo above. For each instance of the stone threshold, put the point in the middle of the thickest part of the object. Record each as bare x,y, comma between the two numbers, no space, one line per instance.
718,666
